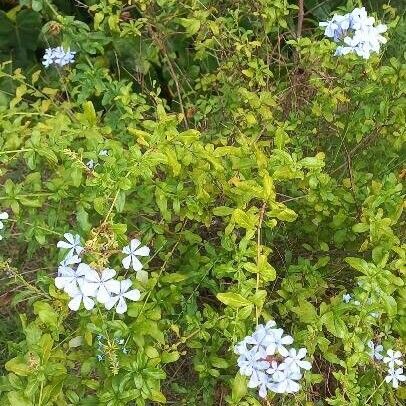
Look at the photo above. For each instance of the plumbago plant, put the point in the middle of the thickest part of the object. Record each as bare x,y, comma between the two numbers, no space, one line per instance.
201,203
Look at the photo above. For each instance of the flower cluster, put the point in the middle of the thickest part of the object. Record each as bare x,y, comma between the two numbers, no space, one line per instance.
3,216
355,32
58,56
393,361
265,358
85,285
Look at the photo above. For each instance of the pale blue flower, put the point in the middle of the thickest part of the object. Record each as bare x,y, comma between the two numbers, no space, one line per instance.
72,243
393,358
395,376
375,350
58,56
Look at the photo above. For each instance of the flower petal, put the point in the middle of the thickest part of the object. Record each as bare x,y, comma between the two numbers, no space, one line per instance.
69,237
74,304
137,265
125,285
112,286
126,262
103,294
121,306
88,302
134,244
111,302
142,252
63,244
91,275
108,274
133,295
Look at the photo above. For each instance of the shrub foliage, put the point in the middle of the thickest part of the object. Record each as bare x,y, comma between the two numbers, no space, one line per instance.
264,173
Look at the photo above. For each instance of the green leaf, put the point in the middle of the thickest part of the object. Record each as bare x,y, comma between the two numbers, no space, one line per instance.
244,220
238,388
233,299
23,34
281,212
17,398
46,314
157,396
89,113
19,366
306,311
334,324
223,211
359,264
192,25
218,362
360,227
168,357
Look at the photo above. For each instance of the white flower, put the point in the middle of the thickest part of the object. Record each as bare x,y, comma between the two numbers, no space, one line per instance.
104,152
48,58
68,281
81,293
355,33
123,294
278,342
275,367
252,361
294,361
102,284
241,347
262,336
65,265
259,379
347,298
285,381
133,250
359,18
3,216
395,375
73,244
393,358
375,350
91,164
58,56
335,27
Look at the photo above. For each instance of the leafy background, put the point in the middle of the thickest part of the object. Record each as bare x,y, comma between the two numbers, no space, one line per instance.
265,174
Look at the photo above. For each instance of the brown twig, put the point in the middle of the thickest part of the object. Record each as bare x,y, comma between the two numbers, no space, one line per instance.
300,18
261,218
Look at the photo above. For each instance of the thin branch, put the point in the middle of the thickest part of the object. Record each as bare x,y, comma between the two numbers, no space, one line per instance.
300,19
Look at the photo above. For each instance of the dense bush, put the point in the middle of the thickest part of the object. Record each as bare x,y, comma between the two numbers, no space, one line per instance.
263,172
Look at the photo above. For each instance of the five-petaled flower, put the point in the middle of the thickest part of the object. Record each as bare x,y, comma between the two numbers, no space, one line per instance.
393,358
285,381
102,283
294,360
72,243
66,264
134,250
375,350
124,293
69,278
395,376
80,293
277,342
